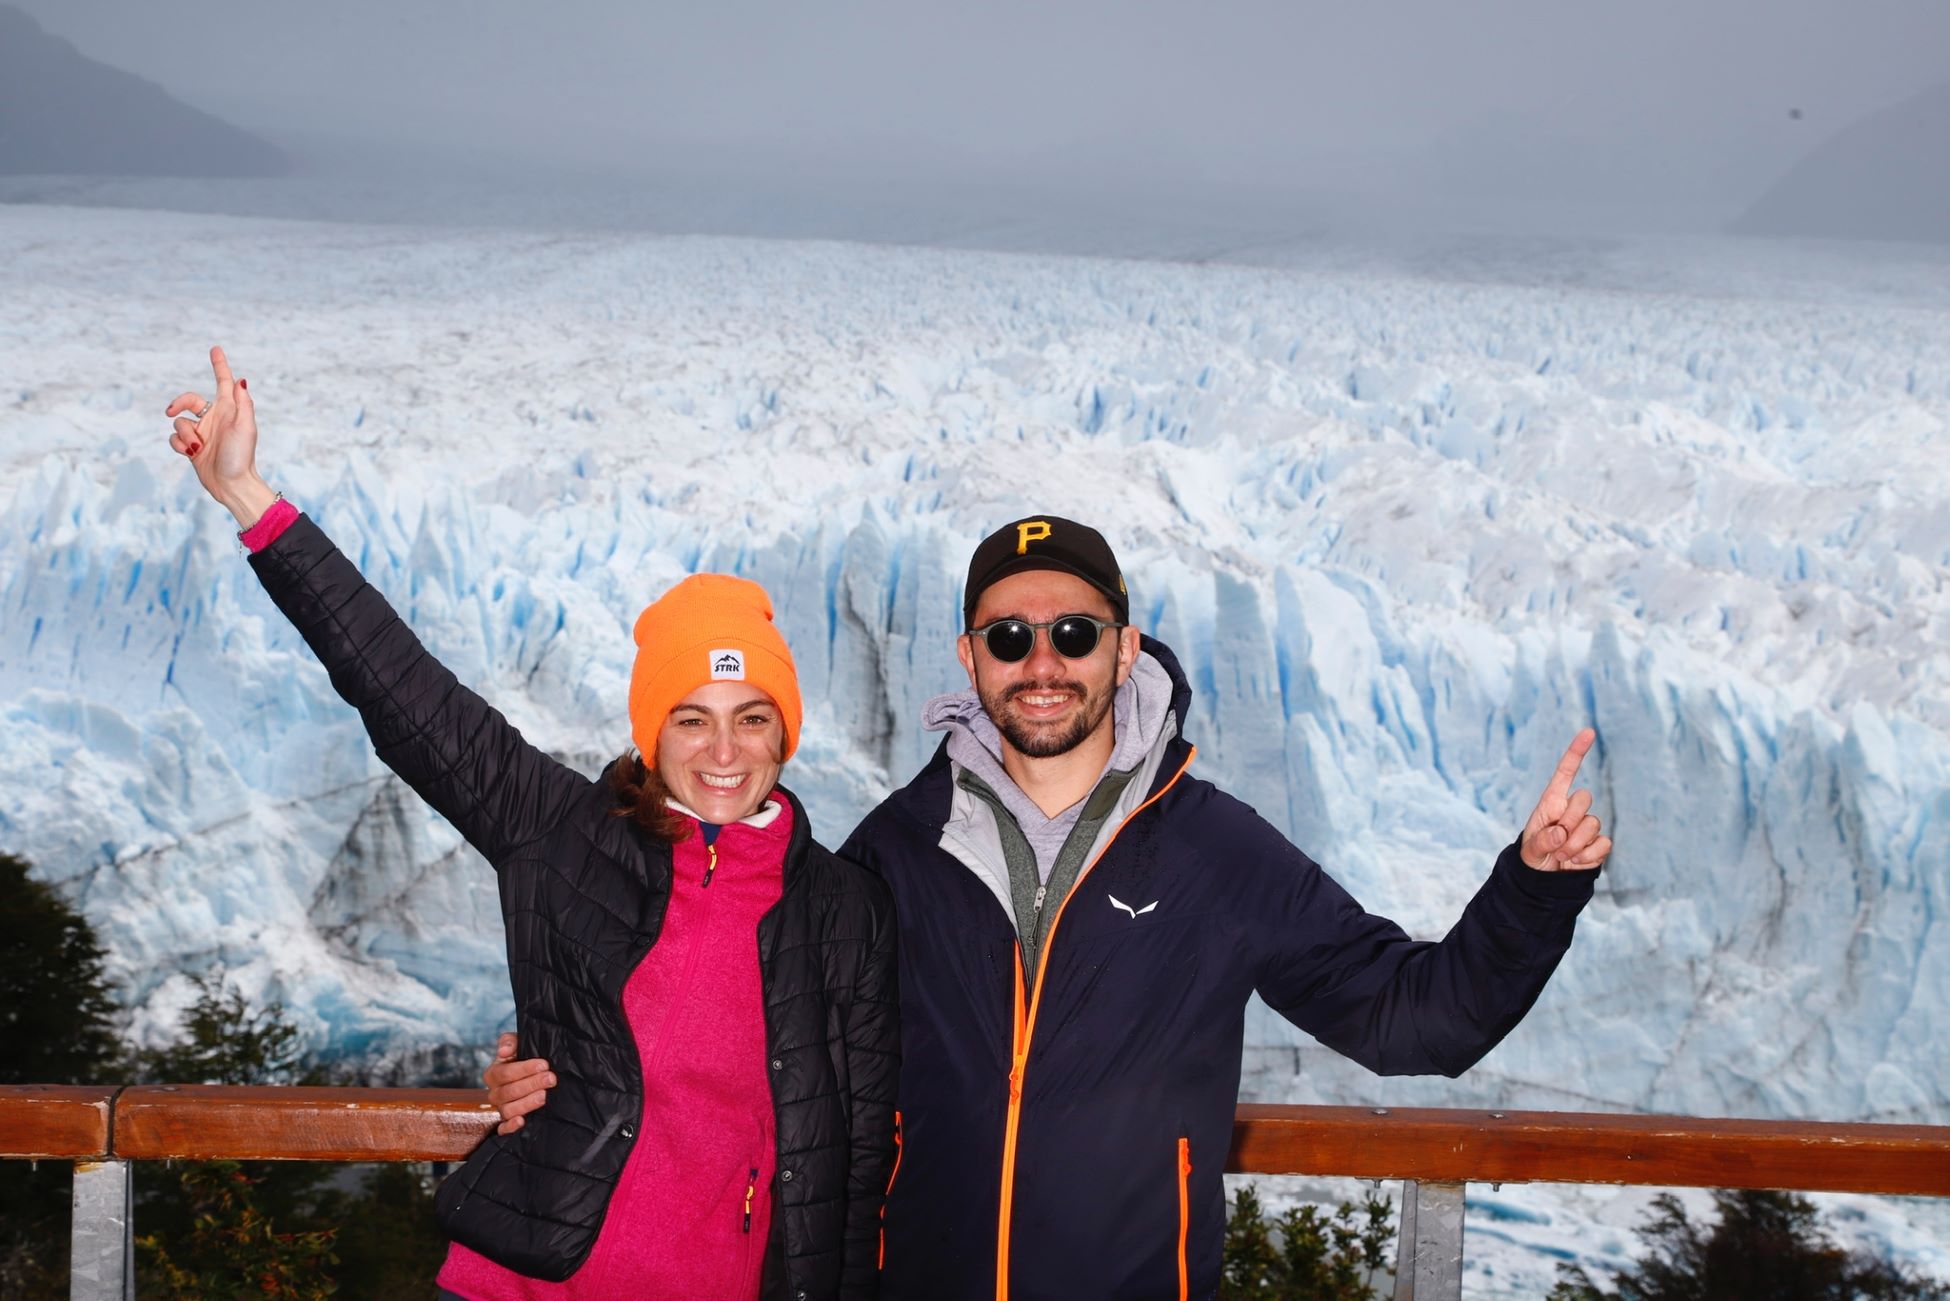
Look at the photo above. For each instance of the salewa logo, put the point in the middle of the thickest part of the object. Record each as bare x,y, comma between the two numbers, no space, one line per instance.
727,665
1135,912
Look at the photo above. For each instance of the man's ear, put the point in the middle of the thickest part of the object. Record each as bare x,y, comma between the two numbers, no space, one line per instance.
1127,653
965,652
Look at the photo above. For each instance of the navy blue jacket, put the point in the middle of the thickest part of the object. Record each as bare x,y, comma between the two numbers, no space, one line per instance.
1077,1142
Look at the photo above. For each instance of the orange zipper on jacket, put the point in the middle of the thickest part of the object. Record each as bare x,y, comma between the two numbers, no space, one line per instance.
1184,1214
892,1175
1025,1027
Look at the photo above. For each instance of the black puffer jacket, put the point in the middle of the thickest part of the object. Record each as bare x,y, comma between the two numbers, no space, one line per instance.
583,894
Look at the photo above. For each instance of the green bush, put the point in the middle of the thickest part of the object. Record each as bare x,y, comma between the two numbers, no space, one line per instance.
57,1008
225,1042
389,1244
1305,1254
1767,1246
205,1229
232,1249
275,1228
58,1022
220,1226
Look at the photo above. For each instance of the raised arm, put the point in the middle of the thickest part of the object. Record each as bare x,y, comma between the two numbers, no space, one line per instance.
1398,1006
449,745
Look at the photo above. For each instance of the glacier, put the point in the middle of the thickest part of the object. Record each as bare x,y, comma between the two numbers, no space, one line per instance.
1410,517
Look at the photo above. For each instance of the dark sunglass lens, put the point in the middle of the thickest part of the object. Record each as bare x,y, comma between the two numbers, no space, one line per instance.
1073,638
1010,640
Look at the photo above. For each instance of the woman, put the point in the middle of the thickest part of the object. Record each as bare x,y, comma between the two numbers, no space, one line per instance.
712,990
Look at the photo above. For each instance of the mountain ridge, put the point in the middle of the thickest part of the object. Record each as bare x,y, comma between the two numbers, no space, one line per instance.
63,113
1873,179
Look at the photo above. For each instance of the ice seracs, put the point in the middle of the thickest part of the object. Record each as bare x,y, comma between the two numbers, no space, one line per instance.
1408,524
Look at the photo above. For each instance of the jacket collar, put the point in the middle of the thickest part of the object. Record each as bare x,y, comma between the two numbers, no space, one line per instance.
765,816
801,843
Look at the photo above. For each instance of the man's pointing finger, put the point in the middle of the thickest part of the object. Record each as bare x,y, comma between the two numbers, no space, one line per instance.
1567,767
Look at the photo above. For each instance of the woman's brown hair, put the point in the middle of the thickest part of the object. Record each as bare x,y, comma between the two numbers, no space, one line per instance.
642,797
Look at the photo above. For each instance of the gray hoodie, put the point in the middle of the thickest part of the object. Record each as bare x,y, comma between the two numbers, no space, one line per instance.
1028,860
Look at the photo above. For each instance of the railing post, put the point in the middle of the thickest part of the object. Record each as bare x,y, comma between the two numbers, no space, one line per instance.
1429,1262
101,1264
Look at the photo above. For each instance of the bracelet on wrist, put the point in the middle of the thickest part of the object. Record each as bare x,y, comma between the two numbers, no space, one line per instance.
244,534
276,497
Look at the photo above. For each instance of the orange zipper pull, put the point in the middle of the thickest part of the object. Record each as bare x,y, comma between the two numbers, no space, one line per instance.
751,1191
880,1261
712,850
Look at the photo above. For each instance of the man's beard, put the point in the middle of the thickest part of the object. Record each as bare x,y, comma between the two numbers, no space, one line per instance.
1046,741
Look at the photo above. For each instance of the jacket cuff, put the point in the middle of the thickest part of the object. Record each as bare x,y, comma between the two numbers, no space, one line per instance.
270,526
1545,888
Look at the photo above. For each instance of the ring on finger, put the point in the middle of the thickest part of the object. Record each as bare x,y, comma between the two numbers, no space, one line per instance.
194,417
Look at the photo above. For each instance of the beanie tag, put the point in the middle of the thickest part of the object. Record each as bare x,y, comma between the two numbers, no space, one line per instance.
728,665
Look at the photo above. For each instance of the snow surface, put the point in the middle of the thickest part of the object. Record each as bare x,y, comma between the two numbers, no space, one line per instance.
1410,516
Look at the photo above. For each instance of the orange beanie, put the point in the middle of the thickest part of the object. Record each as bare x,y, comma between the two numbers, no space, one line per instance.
708,628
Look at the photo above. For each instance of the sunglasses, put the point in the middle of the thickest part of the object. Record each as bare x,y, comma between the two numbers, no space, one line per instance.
1073,636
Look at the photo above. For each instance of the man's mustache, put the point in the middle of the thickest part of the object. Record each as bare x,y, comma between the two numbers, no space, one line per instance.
1076,689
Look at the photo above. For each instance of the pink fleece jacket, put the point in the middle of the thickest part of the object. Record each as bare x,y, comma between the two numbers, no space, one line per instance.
693,1207
692,1210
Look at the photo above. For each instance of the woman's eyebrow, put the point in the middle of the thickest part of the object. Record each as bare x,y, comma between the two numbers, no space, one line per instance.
758,703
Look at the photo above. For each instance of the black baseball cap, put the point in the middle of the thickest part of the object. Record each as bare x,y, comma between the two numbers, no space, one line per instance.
1045,542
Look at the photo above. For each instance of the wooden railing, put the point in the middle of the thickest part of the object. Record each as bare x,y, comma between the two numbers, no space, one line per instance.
1436,1153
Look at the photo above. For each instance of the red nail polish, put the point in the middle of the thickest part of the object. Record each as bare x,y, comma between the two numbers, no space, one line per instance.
244,384
195,448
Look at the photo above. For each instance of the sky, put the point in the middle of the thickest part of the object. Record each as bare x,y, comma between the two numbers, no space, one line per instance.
1685,105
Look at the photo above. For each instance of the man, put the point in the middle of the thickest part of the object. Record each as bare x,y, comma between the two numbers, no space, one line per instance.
1082,922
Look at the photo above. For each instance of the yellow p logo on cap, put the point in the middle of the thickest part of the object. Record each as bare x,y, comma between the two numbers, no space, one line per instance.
1028,531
